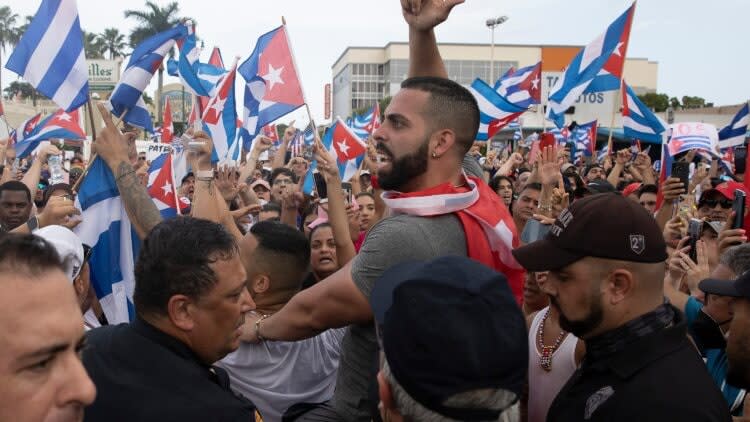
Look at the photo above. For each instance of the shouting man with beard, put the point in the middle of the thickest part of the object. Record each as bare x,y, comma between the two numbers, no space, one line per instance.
605,278
429,126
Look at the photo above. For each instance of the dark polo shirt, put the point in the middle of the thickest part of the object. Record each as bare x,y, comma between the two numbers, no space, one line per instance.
143,374
658,377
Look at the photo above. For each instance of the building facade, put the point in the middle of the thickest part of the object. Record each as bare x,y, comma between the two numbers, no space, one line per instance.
363,75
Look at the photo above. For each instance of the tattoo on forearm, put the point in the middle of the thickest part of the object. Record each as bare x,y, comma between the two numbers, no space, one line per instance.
135,198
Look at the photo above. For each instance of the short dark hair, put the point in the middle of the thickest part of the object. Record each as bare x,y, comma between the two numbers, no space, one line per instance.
450,105
648,189
319,226
533,186
495,182
283,252
175,258
15,186
281,170
272,207
27,255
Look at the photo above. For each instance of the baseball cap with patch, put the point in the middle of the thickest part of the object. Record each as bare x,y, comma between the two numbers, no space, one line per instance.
602,226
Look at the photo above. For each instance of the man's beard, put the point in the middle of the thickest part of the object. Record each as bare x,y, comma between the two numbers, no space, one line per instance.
404,169
582,327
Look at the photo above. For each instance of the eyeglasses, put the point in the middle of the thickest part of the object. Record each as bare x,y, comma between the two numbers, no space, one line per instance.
711,203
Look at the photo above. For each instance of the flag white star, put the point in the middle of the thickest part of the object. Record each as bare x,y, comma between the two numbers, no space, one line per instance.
535,83
167,188
343,146
64,117
273,76
617,49
219,105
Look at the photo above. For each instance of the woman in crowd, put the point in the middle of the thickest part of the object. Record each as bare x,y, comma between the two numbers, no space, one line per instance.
503,186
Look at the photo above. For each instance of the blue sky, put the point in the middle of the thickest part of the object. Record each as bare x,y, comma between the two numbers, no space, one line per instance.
700,46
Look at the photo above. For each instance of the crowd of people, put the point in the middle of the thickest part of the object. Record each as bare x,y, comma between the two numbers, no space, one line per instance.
449,284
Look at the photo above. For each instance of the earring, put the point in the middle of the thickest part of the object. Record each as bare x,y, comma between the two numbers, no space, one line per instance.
434,155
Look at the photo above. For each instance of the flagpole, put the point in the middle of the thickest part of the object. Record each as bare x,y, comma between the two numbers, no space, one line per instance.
619,91
612,121
89,107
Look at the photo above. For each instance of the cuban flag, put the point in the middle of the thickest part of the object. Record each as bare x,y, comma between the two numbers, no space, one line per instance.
273,88
271,133
215,58
596,68
50,54
115,245
585,138
342,143
220,117
358,124
502,78
561,135
24,129
373,119
199,78
59,124
523,87
638,121
735,133
303,142
495,112
161,186
144,62
167,129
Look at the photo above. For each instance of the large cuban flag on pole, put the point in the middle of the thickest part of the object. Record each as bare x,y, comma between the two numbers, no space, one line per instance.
50,54
273,88
596,68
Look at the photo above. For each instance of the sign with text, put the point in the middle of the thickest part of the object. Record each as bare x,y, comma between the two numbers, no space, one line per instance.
103,74
155,150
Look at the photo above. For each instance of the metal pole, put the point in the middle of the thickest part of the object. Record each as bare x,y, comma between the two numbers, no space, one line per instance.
492,57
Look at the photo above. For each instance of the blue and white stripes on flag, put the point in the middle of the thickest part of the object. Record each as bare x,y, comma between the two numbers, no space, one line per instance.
199,78
50,54
144,62
115,245
596,68
220,119
494,110
638,121
735,133
358,124
499,82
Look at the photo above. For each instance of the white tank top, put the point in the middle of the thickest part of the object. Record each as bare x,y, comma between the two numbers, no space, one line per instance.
543,385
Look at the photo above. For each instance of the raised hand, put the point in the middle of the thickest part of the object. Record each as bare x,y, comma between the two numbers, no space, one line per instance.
730,237
111,144
225,182
549,169
672,189
59,211
423,15
326,164
200,153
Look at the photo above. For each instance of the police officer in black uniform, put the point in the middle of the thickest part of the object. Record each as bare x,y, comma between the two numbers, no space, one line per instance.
606,258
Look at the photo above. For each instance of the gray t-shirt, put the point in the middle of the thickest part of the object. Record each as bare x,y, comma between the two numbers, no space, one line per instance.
391,241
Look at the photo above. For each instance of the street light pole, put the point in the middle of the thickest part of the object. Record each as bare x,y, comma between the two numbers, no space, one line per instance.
492,23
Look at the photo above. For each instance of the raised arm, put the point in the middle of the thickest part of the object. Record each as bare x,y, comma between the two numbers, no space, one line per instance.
280,157
114,147
423,16
31,178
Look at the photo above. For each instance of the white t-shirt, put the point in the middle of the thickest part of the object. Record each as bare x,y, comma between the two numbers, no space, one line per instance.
275,375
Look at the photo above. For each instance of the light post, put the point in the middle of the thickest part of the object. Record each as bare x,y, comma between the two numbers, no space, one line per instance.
492,23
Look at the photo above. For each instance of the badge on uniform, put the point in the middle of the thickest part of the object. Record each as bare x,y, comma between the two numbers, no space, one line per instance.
598,398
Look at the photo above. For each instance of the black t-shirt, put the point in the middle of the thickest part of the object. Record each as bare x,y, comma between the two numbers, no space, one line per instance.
143,374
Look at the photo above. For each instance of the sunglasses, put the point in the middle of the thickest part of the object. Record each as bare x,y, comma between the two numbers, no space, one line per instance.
711,203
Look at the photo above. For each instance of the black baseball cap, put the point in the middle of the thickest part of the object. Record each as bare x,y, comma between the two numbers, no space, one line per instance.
600,186
602,226
737,288
185,177
448,326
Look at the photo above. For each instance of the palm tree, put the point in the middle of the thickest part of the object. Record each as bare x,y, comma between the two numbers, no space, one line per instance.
113,42
9,35
151,21
24,26
92,45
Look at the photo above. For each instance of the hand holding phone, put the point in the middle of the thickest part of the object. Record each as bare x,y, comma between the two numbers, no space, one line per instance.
738,206
695,227
681,170
321,187
347,188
